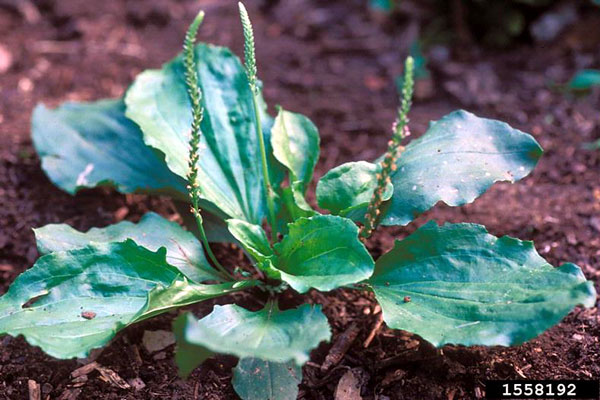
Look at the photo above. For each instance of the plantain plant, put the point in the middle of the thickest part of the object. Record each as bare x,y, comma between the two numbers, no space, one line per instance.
197,130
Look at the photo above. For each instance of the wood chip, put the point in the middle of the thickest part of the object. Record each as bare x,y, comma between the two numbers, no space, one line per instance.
35,392
6,268
86,369
374,331
340,347
79,381
121,213
112,377
70,394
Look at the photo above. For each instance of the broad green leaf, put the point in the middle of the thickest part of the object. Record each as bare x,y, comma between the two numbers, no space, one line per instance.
256,379
71,302
230,174
84,145
469,287
269,334
457,160
322,252
252,237
184,251
295,142
347,189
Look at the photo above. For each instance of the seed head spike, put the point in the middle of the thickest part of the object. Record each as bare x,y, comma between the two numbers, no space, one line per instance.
249,53
388,164
195,95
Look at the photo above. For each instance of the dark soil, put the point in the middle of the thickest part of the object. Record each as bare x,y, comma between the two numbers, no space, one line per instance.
332,62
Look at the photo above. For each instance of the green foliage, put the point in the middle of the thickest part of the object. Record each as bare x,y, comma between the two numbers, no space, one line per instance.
73,301
269,334
468,287
347,189
295,141
184,251
99,146
230,173
322,252
201,118
455,161
256,379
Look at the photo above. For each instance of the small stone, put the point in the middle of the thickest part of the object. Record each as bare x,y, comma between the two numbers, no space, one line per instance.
160,356
136,383
46,388
157,340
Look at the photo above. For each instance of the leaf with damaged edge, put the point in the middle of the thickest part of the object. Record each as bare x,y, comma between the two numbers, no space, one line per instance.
48,303
184,251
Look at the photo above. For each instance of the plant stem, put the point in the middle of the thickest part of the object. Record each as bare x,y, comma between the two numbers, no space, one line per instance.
195,95
251,72
388,164
263,156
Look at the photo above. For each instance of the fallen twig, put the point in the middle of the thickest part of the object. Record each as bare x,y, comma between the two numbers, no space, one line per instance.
340,347
374,331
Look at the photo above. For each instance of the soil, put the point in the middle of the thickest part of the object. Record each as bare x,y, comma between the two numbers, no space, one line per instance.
333,62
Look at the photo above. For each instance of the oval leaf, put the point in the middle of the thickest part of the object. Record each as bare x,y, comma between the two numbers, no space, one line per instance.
230,174
455,161
347,189
256,379
458,159
184,251
295,140
84,145
322,252
459,284
71,302
269,334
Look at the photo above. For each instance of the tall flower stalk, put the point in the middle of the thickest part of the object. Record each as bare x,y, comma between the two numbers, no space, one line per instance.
251,72
195,95
388,164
